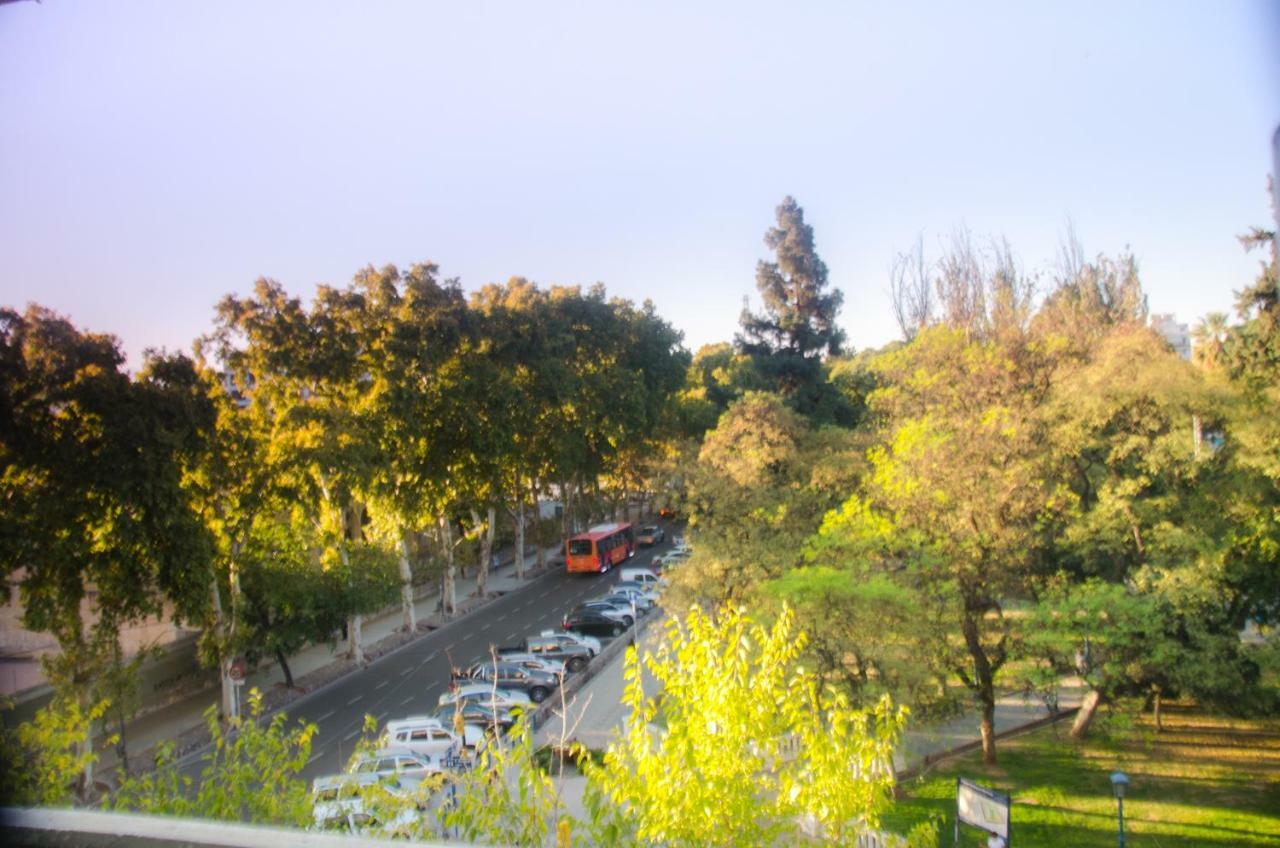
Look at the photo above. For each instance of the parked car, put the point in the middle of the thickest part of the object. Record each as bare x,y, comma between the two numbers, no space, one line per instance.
667,512
337,804
646,576
592,621
474,713
632,600
486,694
534,662
651,534
513,677
618,611
573,656
591,643
646,591
423,735
404,767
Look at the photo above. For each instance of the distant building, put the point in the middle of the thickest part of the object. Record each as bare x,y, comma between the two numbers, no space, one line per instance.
1177,335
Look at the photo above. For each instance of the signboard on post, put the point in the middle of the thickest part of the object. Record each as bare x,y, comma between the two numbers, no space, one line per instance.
983,808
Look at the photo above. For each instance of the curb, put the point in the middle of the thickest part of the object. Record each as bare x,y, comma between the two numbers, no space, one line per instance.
937,757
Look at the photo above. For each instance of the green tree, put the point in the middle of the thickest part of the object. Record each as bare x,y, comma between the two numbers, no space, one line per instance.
250,774
798,325
93,467
743,747
43,761
954,507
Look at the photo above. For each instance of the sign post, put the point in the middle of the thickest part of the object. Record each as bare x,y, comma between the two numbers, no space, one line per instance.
983,808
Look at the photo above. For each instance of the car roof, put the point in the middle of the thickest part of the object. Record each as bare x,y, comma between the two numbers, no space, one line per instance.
414,721
332,781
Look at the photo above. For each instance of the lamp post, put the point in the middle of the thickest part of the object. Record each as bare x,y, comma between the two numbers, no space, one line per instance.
1119,782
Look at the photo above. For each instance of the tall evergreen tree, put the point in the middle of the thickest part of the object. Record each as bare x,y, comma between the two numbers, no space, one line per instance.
798,325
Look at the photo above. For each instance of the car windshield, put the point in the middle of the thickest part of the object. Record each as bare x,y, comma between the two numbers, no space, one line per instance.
579,547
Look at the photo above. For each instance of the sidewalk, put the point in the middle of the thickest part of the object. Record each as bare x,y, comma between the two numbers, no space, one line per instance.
382,632
596,712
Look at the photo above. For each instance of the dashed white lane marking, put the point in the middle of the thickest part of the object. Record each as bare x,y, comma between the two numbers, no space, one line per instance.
406,700
407,671
502,617
383,683
486,625
325,716
353,700
315,757
351,735
433,656
511,635
466,636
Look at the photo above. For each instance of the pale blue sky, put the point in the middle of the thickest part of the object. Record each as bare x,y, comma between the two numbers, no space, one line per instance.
155,156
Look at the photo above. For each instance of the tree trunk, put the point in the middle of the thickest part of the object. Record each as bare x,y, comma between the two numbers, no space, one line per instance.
449,598
410,613
983,683
1156,709
989,731
540,541
1084,718
284,667
355,622
518,514
486,550
224,658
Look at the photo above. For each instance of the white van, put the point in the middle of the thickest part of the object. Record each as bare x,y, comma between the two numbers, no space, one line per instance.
643,576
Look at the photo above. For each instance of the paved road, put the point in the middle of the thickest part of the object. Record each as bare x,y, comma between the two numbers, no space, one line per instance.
409,681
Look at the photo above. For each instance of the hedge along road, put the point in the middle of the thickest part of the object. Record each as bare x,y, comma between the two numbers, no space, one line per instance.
410,680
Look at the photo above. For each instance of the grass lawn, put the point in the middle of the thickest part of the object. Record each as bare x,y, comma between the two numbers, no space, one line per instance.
1204,781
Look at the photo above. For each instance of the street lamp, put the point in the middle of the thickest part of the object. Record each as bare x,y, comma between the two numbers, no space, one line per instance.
1119,782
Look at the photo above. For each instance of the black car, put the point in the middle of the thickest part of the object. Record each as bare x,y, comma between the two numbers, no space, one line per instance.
591,621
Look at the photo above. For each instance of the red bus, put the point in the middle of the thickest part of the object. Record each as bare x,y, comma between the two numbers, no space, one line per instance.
600,548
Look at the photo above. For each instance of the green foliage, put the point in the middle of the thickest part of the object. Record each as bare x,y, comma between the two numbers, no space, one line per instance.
754,750
798,326
506,799
43,761
93,465
250,774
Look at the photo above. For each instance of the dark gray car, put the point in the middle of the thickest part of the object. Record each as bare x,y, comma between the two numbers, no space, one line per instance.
515,677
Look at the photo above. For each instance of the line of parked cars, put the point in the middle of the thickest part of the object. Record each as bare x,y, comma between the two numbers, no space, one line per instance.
415,754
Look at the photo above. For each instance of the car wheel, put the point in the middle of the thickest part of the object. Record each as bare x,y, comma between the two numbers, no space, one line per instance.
628,620
538,694
576,664
616,630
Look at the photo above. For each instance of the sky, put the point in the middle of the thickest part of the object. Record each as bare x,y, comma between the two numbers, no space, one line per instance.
155,156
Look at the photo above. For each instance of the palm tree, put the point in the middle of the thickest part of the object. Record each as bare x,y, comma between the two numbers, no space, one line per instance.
1208,336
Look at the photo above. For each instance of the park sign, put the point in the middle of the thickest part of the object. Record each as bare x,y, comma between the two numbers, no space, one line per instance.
983,808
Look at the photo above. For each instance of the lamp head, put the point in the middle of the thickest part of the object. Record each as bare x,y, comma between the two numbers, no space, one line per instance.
1119,782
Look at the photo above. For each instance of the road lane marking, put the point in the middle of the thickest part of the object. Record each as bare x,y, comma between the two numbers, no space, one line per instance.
353,700
325,716
406,701
433,656
486,626
314,758
383,683
408,670
351,735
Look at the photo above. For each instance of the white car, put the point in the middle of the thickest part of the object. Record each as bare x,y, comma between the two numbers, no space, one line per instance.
484,693
646,590
591,643
397,766
426,736
612,611
337,803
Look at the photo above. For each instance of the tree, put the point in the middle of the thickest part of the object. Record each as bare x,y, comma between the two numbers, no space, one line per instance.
43,761
98,530
953,509
250,774
798,324
749,745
